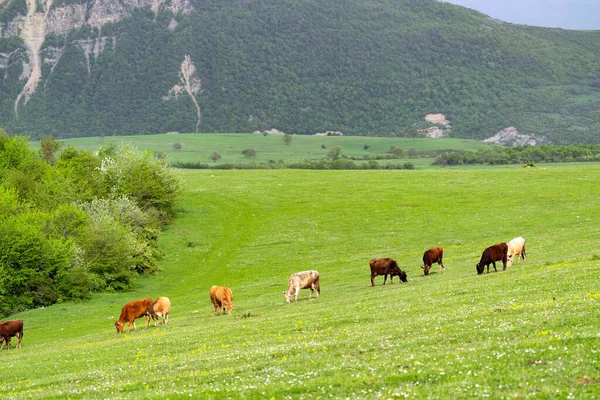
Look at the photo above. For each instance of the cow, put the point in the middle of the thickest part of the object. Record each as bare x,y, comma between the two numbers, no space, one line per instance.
516,247
433,256
9,329
161,307
385,267
133,310
492,254
302,280
221,298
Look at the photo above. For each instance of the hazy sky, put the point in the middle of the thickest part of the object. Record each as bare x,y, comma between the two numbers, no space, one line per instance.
567,14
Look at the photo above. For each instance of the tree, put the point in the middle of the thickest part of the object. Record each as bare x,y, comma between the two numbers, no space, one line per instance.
177,146
215,156
49,146
249,152
335,152
287,139
397,151
366,146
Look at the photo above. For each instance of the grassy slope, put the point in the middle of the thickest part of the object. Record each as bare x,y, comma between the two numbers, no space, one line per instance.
197,147
530,330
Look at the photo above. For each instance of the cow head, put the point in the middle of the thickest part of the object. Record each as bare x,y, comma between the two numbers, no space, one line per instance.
119,325
480,268
509,259
402,276
287,295
426,269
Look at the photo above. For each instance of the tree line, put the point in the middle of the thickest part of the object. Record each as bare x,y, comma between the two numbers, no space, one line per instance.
77,222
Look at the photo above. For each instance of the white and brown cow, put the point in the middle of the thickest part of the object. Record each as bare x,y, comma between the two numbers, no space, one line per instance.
516,247
302,280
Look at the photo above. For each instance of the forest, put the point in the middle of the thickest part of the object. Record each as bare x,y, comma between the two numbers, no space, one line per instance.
359,67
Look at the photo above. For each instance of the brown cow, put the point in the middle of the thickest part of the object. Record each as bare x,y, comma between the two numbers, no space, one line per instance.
133,310
221,298
9,329
162,306
433,256
302,280
385,267
492,254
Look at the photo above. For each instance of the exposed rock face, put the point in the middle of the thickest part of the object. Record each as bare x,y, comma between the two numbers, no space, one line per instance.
34,27
188,83
441,128
511,137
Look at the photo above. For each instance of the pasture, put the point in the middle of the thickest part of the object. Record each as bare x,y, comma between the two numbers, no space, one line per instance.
198,147
531,331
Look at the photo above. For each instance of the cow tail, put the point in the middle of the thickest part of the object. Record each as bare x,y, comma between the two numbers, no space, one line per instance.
318,285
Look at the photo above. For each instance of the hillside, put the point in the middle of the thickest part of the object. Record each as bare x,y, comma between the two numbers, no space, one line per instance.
530,331
74,68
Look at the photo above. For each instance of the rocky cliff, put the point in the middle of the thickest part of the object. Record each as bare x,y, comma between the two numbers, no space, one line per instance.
42,19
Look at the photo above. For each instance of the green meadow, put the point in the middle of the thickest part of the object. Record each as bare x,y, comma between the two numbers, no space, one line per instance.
532,331
196,148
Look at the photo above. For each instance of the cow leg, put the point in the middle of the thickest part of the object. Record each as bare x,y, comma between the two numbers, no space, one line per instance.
148,321
296,295
19,337
310,292
165,318
523,255
441,267
384,278
373,280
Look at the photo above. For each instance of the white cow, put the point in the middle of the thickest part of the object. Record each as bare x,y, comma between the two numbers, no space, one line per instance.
516,247
302,280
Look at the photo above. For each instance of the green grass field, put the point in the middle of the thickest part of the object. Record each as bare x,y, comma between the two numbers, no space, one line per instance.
531,331
198,147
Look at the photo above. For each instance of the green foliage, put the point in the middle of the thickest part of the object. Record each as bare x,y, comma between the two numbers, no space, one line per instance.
87,223
249,152
335,152
287,139
215,156
522,154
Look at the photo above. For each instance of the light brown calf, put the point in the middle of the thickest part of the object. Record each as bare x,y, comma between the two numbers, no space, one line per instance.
221,298
162,306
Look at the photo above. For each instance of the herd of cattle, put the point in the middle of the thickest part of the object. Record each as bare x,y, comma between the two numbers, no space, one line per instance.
221,296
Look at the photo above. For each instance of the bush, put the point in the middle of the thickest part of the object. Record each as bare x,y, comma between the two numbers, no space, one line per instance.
249,152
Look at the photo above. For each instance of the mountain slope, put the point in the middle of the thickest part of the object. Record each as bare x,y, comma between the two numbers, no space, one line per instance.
361,67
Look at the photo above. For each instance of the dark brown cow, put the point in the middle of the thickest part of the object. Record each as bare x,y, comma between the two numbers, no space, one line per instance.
433,256
9,329
133,310
497,252
385,267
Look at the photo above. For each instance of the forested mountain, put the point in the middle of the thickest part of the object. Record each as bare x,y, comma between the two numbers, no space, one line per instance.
364,67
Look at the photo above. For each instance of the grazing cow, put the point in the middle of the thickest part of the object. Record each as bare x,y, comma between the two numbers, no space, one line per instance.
221,298
385,267
133,310
302,280
433,256
162,306
9,329
516,247
492,254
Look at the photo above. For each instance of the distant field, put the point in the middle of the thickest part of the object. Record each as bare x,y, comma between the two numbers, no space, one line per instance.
198,147
530,331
